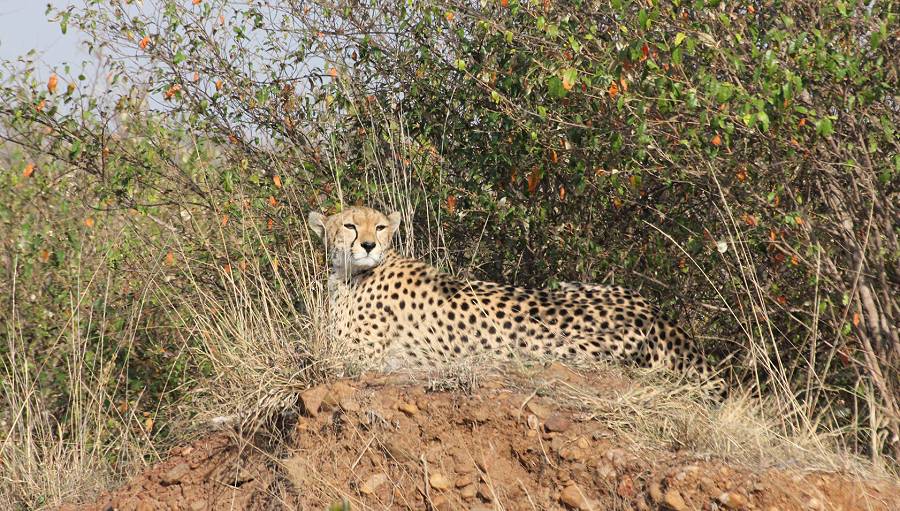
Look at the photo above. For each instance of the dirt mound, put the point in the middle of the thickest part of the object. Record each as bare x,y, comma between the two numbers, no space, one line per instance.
380,443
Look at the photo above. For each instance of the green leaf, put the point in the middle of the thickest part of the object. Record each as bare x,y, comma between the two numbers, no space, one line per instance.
679,38
555,87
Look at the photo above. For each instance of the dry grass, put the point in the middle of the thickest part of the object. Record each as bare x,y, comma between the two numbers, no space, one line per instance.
48,459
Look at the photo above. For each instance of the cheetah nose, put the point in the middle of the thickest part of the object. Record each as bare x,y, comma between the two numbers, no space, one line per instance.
368,245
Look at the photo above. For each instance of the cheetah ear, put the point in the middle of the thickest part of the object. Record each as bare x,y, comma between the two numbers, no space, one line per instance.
394,218
317,223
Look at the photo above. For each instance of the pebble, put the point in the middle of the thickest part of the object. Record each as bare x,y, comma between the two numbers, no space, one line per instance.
439,481
312,400
174,474
572,497
732,500
373,483
408,408
538,409
674,500
557,423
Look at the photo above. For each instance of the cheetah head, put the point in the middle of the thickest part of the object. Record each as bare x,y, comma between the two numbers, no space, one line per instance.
356,238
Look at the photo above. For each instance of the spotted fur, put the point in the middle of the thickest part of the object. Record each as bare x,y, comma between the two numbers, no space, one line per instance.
393,308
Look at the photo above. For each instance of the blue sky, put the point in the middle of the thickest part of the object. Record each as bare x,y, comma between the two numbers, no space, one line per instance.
24,26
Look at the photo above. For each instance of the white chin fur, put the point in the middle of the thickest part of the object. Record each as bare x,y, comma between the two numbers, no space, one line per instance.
365,262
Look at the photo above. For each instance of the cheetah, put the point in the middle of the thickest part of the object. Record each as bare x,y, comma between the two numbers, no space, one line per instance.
390,307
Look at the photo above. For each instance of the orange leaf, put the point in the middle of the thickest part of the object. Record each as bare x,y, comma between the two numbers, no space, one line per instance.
802,122
44,256
562,193
272,201
624,84
221,19
645,51
29,170
270,224
226,268
553,156
781,299
855,319
196,2
449,15
716,140
332,73
89,222
799,220
534,179
451,204
504,3
171,91
170,258
196,76
749,219
52,82
41,104
219,84
144,42
224,220
613,90
277,180
772,234
794,260
617,202
741,175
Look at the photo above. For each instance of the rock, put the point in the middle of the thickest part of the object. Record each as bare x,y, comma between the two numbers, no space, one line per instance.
466,479
541,411
174,474
674,500
441,503
312,400
557,423
573,498
408,408
709,486
197,505
469,491
814,504
372,484
144,506
732,500
439,481
337,393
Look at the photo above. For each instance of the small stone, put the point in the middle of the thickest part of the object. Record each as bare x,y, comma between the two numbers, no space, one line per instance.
557,423
674,500
144,506
373,483
174,474
408,408
538,409
583,443
532,421
708,486
312,400
197,505
469,491
440,503
466,480
439,481
338,392
572,497
732,500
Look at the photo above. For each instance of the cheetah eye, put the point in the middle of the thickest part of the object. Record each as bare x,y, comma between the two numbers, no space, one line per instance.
380,227
350,226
